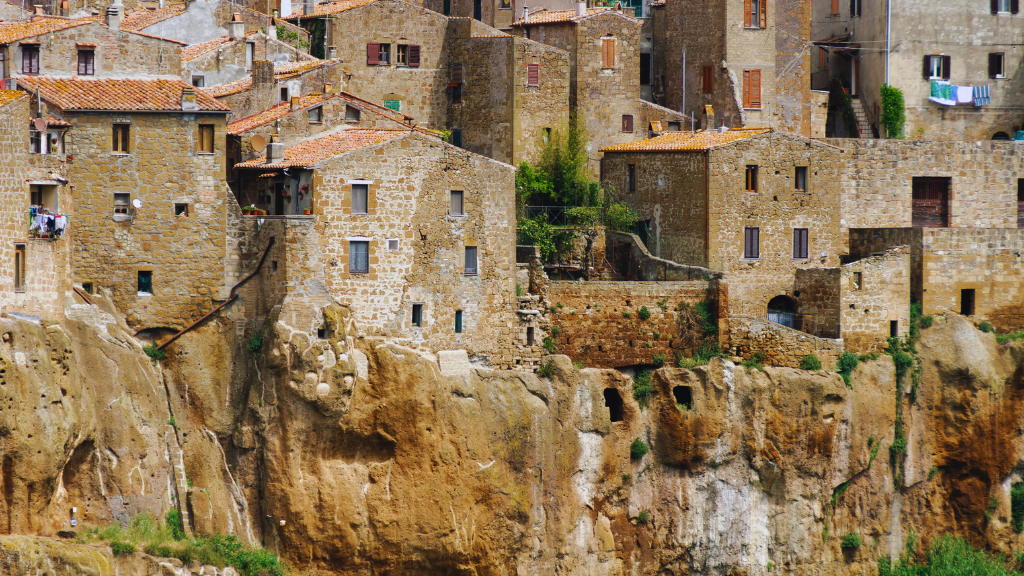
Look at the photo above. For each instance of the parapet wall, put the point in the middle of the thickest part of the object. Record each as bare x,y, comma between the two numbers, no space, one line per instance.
781,346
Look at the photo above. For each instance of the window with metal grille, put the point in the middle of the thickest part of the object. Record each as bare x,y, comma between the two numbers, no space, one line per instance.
20,267
800,179
471,264
751,88
533,74
930,202
751,178
121,138
121,201
608,52
145,282
455,206
86,62
800,243
360,194
392,244
29,59
751,242
358,257
206,138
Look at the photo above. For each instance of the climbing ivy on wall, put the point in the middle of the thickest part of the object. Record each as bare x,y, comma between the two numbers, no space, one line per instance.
893,115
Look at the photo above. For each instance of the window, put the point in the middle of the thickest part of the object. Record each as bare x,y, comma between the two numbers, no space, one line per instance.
458,321
995,65
613,401
506,4
645,69
378,54
36,141
86,62
858,280
455,91
800,179
120,143
751,180
392,244
683,396
250,54
471,260
478,10
417,315
936,67
206,138
751,88
19,267
121,202
752,243
145,282
284,94
894,328
1020,203
800,243
707,79
455,205
545,135
967,302
87,287
755,13
930,202
402,55
351,114
446,9
822,57
1005,6
181,210
198,81
674,126
316,115
359,257
29,59
608,52
627,122
835,8
360,192
855,7
457,138
394,105
530,336
533,74
631,177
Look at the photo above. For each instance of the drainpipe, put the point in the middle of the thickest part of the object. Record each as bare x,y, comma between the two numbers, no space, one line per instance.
888,26
682,108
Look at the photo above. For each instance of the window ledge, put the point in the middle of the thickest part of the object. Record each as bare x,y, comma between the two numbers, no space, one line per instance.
471,274
751,260
121,217
145,294
21,291
758,108
120,153
457,215
318,122
206,153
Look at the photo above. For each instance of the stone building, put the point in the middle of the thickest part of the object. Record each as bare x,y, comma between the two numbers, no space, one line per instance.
965,44
416,235
749,60
230,58
270,84
152,205
84,47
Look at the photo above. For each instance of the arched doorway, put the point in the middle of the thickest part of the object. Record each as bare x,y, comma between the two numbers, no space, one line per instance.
1000,136
782,310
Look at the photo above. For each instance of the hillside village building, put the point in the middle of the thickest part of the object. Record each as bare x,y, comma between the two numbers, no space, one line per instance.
269,85
230,58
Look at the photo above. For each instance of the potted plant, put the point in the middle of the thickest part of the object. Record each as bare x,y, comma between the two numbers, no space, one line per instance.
306,211
248,210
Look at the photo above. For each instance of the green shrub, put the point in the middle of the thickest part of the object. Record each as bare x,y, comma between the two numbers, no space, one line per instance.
659,360
626,315
810,362
620,218
893,114
926,321
155,353
850,541
638,449
754,362
643,517
555,331
547,370
519,290
643,388
663,304
122,548
707,350
847,363
644,313
986,326
255,342
1017,506
549,345
686,363
948,556
900,357
626,478
577,364
175,523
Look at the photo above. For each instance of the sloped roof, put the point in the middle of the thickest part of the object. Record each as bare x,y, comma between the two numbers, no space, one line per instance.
15,31
117,94
686,142
331,8
544,16
197,50
138,19
313,151
271,114
8,96
281,72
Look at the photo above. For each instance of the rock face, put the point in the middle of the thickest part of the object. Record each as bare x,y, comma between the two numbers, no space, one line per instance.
352,456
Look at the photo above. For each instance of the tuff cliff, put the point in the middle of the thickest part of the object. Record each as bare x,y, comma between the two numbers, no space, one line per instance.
351,455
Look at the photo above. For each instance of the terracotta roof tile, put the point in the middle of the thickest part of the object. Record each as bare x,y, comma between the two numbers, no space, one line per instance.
331,8
8,96
197,50
14,31
52,120
685,141
544,16
138,19
229,88
313,151
117,94
281,72
269,115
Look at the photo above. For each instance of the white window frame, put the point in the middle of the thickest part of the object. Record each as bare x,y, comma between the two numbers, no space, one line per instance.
935,67
1004,7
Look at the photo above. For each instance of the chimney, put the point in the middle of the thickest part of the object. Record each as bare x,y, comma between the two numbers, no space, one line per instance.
332,52
307,6
275,150
188,99
40,11
114,13
236,28
262,72
526,12
295,103
581,9
328,88
272,29
707,122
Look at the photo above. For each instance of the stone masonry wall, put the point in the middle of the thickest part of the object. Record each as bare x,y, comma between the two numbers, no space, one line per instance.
226,63
816,291
536,108
185,255
781,346
878,296
14,147
594,329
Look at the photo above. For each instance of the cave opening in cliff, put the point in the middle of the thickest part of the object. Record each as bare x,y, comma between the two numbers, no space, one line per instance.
613,401
684,396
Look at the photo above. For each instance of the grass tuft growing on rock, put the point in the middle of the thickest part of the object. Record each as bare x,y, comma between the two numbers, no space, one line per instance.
546,370
121,548
754,362
155,353
810,362
948,556
643,517
644,313
850,541
847,363
643,388
638,449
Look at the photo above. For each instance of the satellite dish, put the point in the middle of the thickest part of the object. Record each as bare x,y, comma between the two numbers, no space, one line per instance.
137,203
39,123
258,143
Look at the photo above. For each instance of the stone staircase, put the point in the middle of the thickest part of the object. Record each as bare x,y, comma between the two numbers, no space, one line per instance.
862,118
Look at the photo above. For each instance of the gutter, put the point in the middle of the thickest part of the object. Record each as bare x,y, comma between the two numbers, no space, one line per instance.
707,209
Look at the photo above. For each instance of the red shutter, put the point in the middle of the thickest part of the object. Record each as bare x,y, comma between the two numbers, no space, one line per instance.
533,75
755,88
372,54
746,13
945,67
746,88
762,12
835,7
414,55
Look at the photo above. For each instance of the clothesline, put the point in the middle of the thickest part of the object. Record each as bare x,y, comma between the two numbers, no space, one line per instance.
947,94
44,223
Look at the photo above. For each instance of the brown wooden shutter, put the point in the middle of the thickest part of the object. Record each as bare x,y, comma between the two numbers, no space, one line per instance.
1014,6
456,74
627,122
995,6
414,55
762,12
372,54
945,67
835,7
707,80
927,66
746,13
608,53
755,88
746,88
532,75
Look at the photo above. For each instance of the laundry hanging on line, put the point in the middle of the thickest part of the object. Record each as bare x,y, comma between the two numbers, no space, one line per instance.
947,94
44,223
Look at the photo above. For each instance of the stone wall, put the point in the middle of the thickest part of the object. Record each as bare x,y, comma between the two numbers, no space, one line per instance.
875,292
594,327
265,90
186,255
631,260
650,112
226,62
537,108
816,291
793,102
781,346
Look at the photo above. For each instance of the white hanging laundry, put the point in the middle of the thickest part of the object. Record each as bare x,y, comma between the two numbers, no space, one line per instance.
964,95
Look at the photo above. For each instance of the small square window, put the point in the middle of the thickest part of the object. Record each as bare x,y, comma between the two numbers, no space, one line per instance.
471,263
199,81
321,333
360,192
417,315
858,280
86,62
359,257
455,205
145,282
351,114
181,210
392,244
87,287
996,65
395,105
121,203
674,126
800,179
751,178
284,94
316,115
627,123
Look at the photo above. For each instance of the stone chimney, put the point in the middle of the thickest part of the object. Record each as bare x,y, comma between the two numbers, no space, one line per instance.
275,150
272,28
295,103
39,10
188,99
581,9
114,14
707,121
236,28
328,88
332,52
307,6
